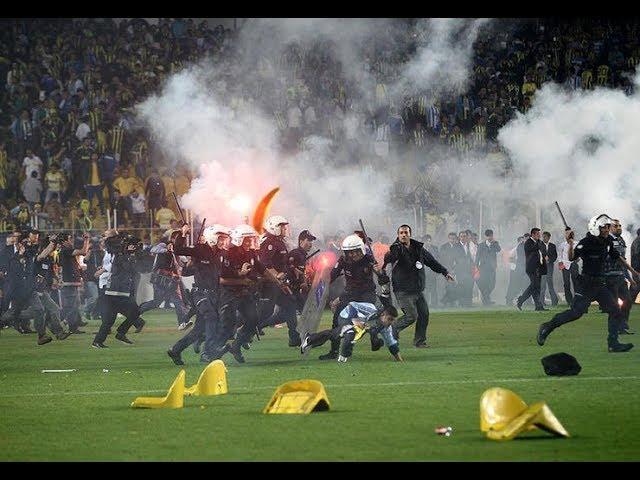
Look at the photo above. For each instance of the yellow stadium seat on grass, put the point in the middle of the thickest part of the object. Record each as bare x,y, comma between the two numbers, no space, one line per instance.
503,415
212,381
174,398
298,396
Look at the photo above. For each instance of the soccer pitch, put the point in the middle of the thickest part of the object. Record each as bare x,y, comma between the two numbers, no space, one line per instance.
380,410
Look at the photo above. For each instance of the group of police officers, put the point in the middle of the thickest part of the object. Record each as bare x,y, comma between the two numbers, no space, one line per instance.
244,282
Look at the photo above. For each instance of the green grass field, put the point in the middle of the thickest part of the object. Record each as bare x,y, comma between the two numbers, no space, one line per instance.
380,410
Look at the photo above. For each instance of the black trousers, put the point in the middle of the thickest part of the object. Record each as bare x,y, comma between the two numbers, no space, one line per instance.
517,281
169,291
23,309
547,282
415,309
620,290
341,335
486,284
247,307
593,288
284,311
71,306
207,323
431,290
569,277
111,306
465,290
533,290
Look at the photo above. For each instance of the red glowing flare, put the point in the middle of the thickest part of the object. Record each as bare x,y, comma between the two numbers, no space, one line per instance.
324,260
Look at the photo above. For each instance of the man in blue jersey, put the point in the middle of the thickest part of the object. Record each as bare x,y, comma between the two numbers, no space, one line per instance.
354,320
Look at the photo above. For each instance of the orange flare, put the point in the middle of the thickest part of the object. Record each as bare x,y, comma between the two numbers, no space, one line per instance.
262,209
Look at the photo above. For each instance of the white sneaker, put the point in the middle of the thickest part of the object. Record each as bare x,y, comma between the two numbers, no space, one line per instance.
305,345
342,359
182,326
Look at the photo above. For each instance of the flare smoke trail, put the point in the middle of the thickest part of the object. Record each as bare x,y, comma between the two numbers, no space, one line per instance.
235,149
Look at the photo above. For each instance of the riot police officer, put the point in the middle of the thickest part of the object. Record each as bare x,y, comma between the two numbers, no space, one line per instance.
297,262
207,260
617,275
275,257
357,266
593,250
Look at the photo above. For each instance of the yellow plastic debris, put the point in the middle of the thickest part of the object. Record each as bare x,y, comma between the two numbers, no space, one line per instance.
298,396
174,398
503,415
498,406
538,415
212,381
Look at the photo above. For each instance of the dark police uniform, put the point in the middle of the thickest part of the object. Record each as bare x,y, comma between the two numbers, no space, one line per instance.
298,261
167,283
239,299
359,287
207,262
119,296
25,303
274,254
617,279
594,251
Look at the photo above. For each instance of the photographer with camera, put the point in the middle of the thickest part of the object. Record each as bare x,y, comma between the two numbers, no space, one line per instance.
46,280
166,281
72,279
119,294
25,301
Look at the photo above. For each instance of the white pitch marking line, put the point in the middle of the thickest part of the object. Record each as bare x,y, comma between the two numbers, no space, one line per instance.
348,385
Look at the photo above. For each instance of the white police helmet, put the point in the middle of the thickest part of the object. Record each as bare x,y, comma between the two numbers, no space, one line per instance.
353,242
597,222
241,232
275,225
212,233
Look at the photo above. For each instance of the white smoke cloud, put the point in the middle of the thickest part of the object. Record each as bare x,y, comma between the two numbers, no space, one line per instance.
580,148
235,151
444,57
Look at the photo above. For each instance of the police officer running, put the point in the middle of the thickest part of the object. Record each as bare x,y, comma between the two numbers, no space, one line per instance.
617,276
275,257
207,262
357,266
238,296
594,250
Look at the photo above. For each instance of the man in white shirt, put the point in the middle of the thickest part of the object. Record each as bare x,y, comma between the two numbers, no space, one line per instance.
569,269
83,129
32,163
138,207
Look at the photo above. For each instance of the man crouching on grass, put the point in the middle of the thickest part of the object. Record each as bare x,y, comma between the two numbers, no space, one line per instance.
354,320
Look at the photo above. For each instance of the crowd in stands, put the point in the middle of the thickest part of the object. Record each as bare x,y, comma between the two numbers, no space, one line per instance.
70,148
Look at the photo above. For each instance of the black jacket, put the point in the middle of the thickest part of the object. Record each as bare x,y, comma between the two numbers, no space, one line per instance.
122,282
406,276
207,263
552,253
532,251
486,256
